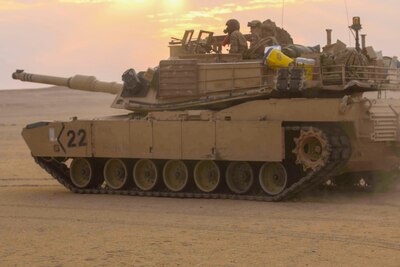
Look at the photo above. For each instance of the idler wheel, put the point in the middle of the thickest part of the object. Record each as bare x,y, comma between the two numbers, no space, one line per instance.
116,173
82,172
175,175
239,177
207,175
273,178
145,174
312,149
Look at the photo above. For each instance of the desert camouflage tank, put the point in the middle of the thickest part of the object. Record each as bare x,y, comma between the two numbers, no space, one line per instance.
212,125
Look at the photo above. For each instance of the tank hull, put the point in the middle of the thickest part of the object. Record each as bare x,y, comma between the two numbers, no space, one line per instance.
159,139
252,137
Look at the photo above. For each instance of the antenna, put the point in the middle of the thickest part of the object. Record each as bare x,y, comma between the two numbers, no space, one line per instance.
283,11
348,20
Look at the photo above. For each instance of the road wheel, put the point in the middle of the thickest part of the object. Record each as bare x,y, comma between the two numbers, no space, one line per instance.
145,174
82,173
273,178
175,175
239,177
116,173
207,175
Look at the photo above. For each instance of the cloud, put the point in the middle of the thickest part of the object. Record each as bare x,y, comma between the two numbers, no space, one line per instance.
10,5
280,2
211,15
23,4
133,2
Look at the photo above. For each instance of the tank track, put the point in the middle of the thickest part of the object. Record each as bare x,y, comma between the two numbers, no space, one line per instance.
340,152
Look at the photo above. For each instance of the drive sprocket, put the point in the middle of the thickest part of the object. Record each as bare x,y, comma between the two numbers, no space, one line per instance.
312,148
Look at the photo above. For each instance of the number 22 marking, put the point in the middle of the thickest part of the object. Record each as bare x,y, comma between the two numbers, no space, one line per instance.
72,135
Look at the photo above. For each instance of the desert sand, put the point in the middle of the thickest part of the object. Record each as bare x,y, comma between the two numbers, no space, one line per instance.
42,224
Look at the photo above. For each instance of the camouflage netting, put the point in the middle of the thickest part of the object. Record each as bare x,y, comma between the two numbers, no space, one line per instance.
353,61
351,57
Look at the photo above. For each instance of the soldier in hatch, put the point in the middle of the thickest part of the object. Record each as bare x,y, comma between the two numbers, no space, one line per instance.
269,29
258,41
238,43
255,31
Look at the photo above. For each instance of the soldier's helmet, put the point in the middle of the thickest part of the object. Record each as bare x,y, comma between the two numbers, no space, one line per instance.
254,24
232,25
269,23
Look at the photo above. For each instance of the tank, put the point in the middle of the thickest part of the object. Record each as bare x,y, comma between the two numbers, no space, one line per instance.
204,124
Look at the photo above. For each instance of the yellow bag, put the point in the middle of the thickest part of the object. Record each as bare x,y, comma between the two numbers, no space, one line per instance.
275,59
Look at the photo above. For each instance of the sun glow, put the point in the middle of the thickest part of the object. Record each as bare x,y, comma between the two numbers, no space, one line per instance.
174,6
103,1
173,2
168,3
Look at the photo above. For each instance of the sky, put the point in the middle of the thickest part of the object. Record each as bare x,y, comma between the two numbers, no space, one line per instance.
105,37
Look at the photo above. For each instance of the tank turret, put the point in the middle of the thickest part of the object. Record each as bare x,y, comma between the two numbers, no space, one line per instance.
197,75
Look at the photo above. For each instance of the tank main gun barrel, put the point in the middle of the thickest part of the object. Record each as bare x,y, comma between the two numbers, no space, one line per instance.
78,82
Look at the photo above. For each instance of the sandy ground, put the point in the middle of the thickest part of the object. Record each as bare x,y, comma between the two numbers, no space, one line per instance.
42,224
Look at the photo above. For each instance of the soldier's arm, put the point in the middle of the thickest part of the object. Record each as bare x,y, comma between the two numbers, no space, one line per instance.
234,43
